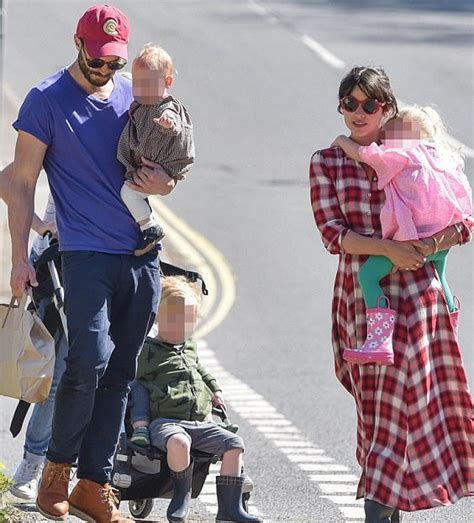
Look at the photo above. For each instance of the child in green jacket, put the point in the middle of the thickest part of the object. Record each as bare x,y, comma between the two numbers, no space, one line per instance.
172,401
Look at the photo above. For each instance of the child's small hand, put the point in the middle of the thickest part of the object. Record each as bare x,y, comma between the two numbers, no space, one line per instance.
218,399
49,227
336,141
166,122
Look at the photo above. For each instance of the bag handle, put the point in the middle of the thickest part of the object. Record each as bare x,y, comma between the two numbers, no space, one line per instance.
21,302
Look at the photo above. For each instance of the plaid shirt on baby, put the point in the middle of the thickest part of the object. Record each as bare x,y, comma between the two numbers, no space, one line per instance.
143,137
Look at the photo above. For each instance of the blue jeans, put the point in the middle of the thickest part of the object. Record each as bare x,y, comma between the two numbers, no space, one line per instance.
140,403
110,304
38,432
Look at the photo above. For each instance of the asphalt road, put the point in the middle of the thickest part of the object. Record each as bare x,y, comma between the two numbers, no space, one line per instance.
262,101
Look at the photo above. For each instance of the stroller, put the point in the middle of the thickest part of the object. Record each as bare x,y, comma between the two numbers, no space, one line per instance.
142,473
48,300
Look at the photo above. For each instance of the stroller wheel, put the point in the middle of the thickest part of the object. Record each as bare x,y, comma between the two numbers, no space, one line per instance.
140,508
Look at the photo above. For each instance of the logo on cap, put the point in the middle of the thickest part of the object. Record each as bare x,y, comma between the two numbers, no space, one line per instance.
110,27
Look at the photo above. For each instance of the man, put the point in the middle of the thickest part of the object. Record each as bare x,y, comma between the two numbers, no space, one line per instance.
70,124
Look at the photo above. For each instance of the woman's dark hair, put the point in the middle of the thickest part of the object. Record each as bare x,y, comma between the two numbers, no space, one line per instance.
374,82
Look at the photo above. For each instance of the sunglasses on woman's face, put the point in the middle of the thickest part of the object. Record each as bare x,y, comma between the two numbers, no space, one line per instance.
97,63
351,104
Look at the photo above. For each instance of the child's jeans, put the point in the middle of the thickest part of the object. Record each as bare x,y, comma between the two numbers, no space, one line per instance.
140,404
39,428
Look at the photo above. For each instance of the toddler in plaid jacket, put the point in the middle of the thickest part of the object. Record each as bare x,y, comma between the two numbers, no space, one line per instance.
159,129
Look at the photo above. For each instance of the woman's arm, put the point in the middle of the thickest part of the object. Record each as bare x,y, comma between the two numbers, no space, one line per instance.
453,235
405,255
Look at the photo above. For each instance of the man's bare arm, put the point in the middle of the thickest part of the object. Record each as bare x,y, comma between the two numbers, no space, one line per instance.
38,225
29,156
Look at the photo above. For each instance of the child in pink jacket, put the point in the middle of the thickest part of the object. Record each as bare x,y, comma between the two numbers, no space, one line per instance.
426,190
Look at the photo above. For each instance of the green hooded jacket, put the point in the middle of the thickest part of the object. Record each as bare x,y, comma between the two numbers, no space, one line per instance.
179,386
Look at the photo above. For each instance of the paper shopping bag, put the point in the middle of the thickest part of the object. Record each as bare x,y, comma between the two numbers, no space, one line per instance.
26,353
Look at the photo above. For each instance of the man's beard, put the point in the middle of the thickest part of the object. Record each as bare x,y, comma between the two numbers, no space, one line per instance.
98,81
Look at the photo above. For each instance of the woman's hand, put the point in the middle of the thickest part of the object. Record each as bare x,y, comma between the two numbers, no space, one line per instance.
405,255
151,178
425,246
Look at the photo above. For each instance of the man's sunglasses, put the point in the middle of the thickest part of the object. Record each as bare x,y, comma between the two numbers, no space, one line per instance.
97,63
351,104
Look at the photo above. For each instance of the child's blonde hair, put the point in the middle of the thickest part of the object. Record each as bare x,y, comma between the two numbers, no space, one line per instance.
173,286
155,58
431,126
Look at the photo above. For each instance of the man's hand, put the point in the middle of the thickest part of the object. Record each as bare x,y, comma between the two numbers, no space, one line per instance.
218,400
22,274
151,178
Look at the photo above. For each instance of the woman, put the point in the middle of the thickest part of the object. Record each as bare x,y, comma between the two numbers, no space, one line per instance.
414,426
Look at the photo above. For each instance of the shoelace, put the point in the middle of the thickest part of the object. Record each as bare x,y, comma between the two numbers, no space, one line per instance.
59,472
109,496
28,470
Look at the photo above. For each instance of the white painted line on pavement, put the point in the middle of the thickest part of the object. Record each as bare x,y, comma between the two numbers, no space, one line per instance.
335,488
334,61
305,458
321,478
208,493
354,513
322,52
322,467
301,452
308,452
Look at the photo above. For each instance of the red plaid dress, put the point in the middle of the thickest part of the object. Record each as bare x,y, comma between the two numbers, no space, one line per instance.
415,439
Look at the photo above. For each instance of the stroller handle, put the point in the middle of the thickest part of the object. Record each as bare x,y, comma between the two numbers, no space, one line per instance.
221,412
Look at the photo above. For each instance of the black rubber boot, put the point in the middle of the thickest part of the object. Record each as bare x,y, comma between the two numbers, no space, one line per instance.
229,501
378,513
396,516
179,506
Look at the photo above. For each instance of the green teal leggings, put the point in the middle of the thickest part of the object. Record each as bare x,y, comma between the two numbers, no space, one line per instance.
376,267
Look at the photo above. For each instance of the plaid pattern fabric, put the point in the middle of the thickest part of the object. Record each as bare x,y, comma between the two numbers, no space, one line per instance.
414,419
142,137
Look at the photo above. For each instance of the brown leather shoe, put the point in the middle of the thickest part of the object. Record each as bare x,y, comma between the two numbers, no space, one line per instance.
52,499
95,503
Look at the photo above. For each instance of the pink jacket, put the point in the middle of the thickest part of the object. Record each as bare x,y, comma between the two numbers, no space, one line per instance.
425,191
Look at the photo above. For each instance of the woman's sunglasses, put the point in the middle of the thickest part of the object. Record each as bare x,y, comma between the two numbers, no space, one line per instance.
351,104
97,63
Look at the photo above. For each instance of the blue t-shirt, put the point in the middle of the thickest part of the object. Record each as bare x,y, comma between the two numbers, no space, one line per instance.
85,177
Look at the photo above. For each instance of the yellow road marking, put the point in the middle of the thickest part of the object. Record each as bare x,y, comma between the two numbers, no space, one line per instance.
204,257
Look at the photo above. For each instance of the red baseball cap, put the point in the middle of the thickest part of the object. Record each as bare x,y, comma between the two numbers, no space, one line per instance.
104,31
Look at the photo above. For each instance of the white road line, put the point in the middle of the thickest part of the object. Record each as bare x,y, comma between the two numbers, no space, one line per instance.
353,513
343,478
337,488
336,480
322,52
208,493
305,458
332,60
